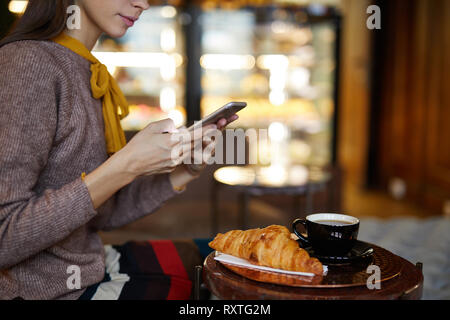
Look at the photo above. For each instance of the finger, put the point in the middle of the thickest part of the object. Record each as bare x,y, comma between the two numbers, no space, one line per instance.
234,117
221,123
196,137
209,152
211,130
179,151
170,141
211,126
208,138
163,126
185,156
173,139
173,162
193,145
169,170
224,122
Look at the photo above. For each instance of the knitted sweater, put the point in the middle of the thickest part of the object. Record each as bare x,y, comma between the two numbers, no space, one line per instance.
51,130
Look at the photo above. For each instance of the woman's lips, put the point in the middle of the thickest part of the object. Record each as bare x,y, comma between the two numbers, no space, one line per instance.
129,21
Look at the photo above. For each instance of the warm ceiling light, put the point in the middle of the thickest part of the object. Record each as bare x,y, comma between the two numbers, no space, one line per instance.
17,6
227,61
273,61
168,12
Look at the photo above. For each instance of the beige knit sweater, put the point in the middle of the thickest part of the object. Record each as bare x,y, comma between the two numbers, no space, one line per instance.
51,130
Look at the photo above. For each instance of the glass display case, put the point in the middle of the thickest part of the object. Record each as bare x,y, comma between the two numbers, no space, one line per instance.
282,62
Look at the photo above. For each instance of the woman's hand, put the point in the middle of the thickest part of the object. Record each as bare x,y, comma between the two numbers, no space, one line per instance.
196,169
222,123
151,150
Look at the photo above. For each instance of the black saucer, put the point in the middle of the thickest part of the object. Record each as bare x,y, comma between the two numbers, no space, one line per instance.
361,252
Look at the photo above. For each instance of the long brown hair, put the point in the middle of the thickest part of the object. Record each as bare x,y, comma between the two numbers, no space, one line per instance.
42,20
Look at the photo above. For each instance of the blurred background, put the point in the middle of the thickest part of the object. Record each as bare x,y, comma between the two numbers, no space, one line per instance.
364,112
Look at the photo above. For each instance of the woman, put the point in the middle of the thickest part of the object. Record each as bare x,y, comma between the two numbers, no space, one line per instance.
66,171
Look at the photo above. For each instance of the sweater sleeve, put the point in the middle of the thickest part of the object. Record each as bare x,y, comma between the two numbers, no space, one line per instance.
136,200
31,222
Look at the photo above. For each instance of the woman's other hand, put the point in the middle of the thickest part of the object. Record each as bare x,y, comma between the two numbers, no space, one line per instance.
150,150
196,169
222,123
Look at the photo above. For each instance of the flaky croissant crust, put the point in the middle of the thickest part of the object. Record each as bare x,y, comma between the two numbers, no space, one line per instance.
271,247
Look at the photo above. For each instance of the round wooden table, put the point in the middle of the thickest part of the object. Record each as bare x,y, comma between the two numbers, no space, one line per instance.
228,285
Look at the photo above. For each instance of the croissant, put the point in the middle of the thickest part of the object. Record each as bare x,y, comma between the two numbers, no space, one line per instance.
270,247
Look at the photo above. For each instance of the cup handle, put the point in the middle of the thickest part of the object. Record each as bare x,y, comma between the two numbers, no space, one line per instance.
303,240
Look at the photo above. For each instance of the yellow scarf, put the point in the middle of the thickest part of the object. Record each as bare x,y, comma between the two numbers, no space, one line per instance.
104,86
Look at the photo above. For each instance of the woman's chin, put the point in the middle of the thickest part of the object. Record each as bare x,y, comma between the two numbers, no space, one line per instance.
117,33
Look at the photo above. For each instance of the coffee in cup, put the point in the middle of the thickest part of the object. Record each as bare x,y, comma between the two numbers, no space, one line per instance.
329,234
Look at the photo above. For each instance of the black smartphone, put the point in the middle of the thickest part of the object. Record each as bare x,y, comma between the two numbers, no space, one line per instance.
226,112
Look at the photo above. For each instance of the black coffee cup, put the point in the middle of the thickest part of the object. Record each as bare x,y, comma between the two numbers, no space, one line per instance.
328,234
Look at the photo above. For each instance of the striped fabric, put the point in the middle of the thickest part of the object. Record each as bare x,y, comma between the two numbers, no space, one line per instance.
149,270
